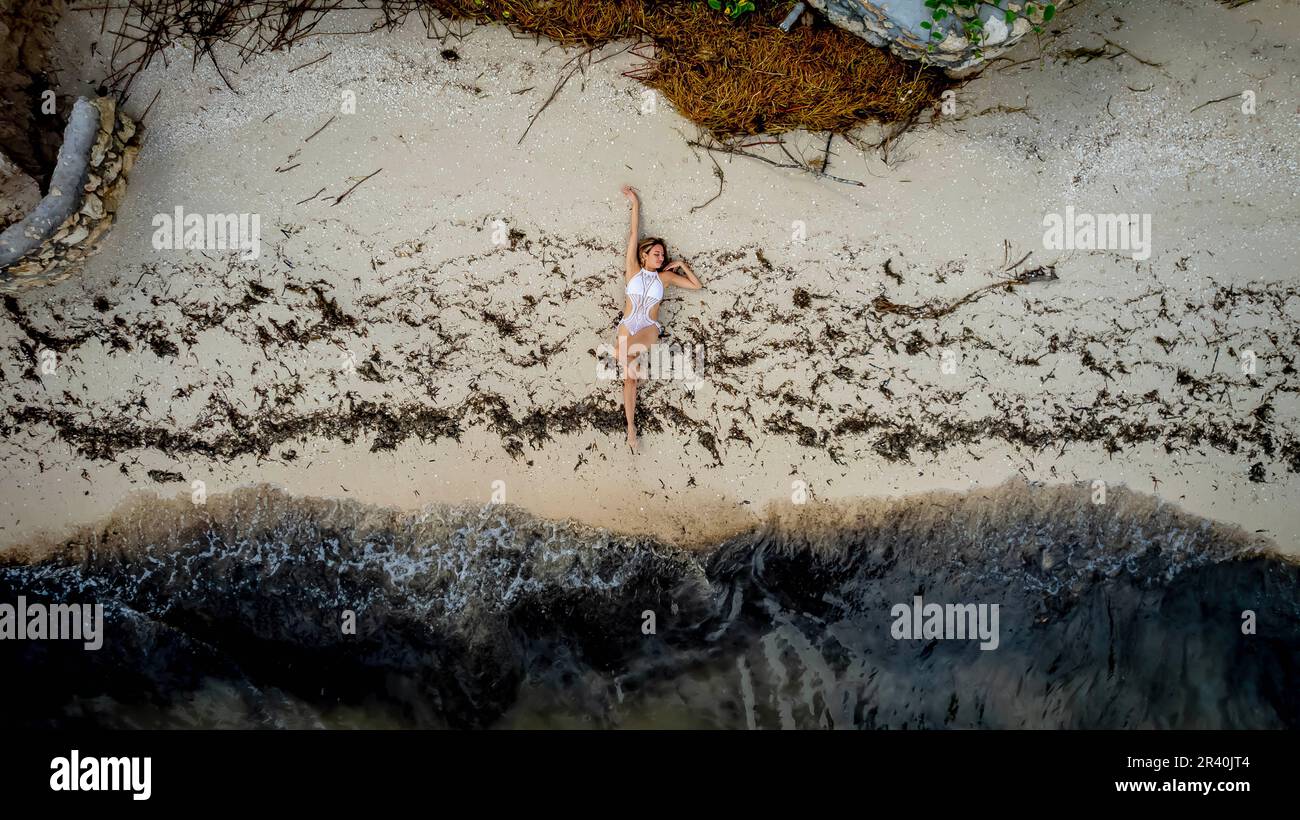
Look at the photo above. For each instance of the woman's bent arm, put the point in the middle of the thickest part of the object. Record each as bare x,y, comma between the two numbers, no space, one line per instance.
687,279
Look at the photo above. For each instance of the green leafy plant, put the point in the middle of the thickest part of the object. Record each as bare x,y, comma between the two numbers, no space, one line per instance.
973,27
732,8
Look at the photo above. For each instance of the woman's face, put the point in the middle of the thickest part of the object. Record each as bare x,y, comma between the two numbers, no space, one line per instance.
653,259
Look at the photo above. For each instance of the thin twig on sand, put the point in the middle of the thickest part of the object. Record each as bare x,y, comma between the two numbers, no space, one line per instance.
577,66
826,154
1045,273
322,128
150,105
353,188
738,150
313,62
717,172
310,198
1123,50
1212,102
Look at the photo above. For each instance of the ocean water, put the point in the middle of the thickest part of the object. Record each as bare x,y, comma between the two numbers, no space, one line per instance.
234,614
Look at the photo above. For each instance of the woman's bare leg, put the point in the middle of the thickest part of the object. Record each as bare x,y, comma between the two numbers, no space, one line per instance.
629,410
630,349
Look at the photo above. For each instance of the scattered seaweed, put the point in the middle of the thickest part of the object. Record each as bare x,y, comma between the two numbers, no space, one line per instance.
472,364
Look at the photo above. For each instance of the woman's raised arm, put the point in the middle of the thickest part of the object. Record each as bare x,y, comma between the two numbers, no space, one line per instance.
632,265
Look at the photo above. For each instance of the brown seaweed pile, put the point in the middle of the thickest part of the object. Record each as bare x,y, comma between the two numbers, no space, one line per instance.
729,77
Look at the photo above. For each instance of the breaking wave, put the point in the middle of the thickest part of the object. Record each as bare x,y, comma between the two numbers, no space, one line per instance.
235,614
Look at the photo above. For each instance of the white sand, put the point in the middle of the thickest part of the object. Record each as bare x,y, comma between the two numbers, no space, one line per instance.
410,255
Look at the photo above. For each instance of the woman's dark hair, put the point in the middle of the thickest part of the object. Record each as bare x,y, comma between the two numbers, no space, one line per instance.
643,247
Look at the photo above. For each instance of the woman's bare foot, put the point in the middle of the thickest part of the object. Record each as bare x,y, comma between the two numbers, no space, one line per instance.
631,439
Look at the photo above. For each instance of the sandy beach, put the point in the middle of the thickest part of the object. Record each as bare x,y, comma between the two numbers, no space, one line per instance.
388,346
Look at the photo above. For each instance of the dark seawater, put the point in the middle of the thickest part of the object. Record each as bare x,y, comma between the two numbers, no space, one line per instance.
1126,614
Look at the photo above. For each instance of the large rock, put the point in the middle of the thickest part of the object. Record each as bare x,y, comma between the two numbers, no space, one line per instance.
896,25
64,228
66,187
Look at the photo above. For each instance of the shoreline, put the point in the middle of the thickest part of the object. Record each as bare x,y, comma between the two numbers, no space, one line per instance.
1137,522
693,518
263,610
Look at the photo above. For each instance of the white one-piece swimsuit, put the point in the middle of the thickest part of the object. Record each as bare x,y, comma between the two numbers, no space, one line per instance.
644,291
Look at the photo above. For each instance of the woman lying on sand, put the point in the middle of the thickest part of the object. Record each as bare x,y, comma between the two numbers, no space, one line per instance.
644,277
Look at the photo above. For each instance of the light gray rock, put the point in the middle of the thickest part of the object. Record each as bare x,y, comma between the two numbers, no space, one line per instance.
78,233
995,31
896,25
64,197
93,207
